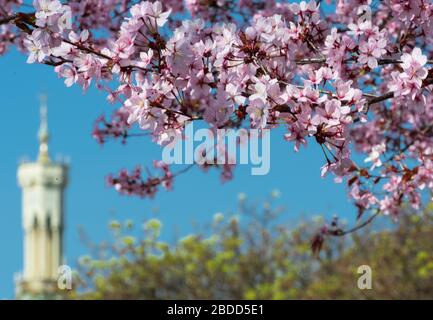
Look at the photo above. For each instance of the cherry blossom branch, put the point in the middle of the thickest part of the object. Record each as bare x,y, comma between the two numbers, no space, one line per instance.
7,20
341,233
381,98
319,239
396,61
310,61
323,60
87,49
333,94
391,94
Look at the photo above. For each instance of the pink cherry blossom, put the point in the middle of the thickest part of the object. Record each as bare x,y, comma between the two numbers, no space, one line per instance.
413,65
327,75
46,8
370,51
258,113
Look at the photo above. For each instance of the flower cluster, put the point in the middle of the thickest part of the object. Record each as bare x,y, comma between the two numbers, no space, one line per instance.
7,34
52,19
410,81
132,183
116,127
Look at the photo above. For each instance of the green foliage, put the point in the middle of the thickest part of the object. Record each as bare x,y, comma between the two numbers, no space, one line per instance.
254,256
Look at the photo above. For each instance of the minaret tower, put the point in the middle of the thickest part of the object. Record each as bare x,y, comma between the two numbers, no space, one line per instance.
43,183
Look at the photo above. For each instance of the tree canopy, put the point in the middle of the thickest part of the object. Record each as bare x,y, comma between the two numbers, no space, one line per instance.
256,254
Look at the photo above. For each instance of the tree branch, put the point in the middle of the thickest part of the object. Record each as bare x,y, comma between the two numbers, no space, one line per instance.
341,233
7,20
390,95
323,60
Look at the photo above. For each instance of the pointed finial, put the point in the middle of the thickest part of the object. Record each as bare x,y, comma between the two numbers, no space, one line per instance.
43,131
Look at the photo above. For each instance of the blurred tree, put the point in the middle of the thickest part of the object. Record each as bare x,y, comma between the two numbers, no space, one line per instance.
401,260
253,255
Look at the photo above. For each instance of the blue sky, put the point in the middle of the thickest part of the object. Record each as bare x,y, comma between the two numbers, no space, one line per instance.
90,204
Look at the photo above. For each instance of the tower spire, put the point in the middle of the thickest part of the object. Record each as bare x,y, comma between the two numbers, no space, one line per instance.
43,184
44,156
